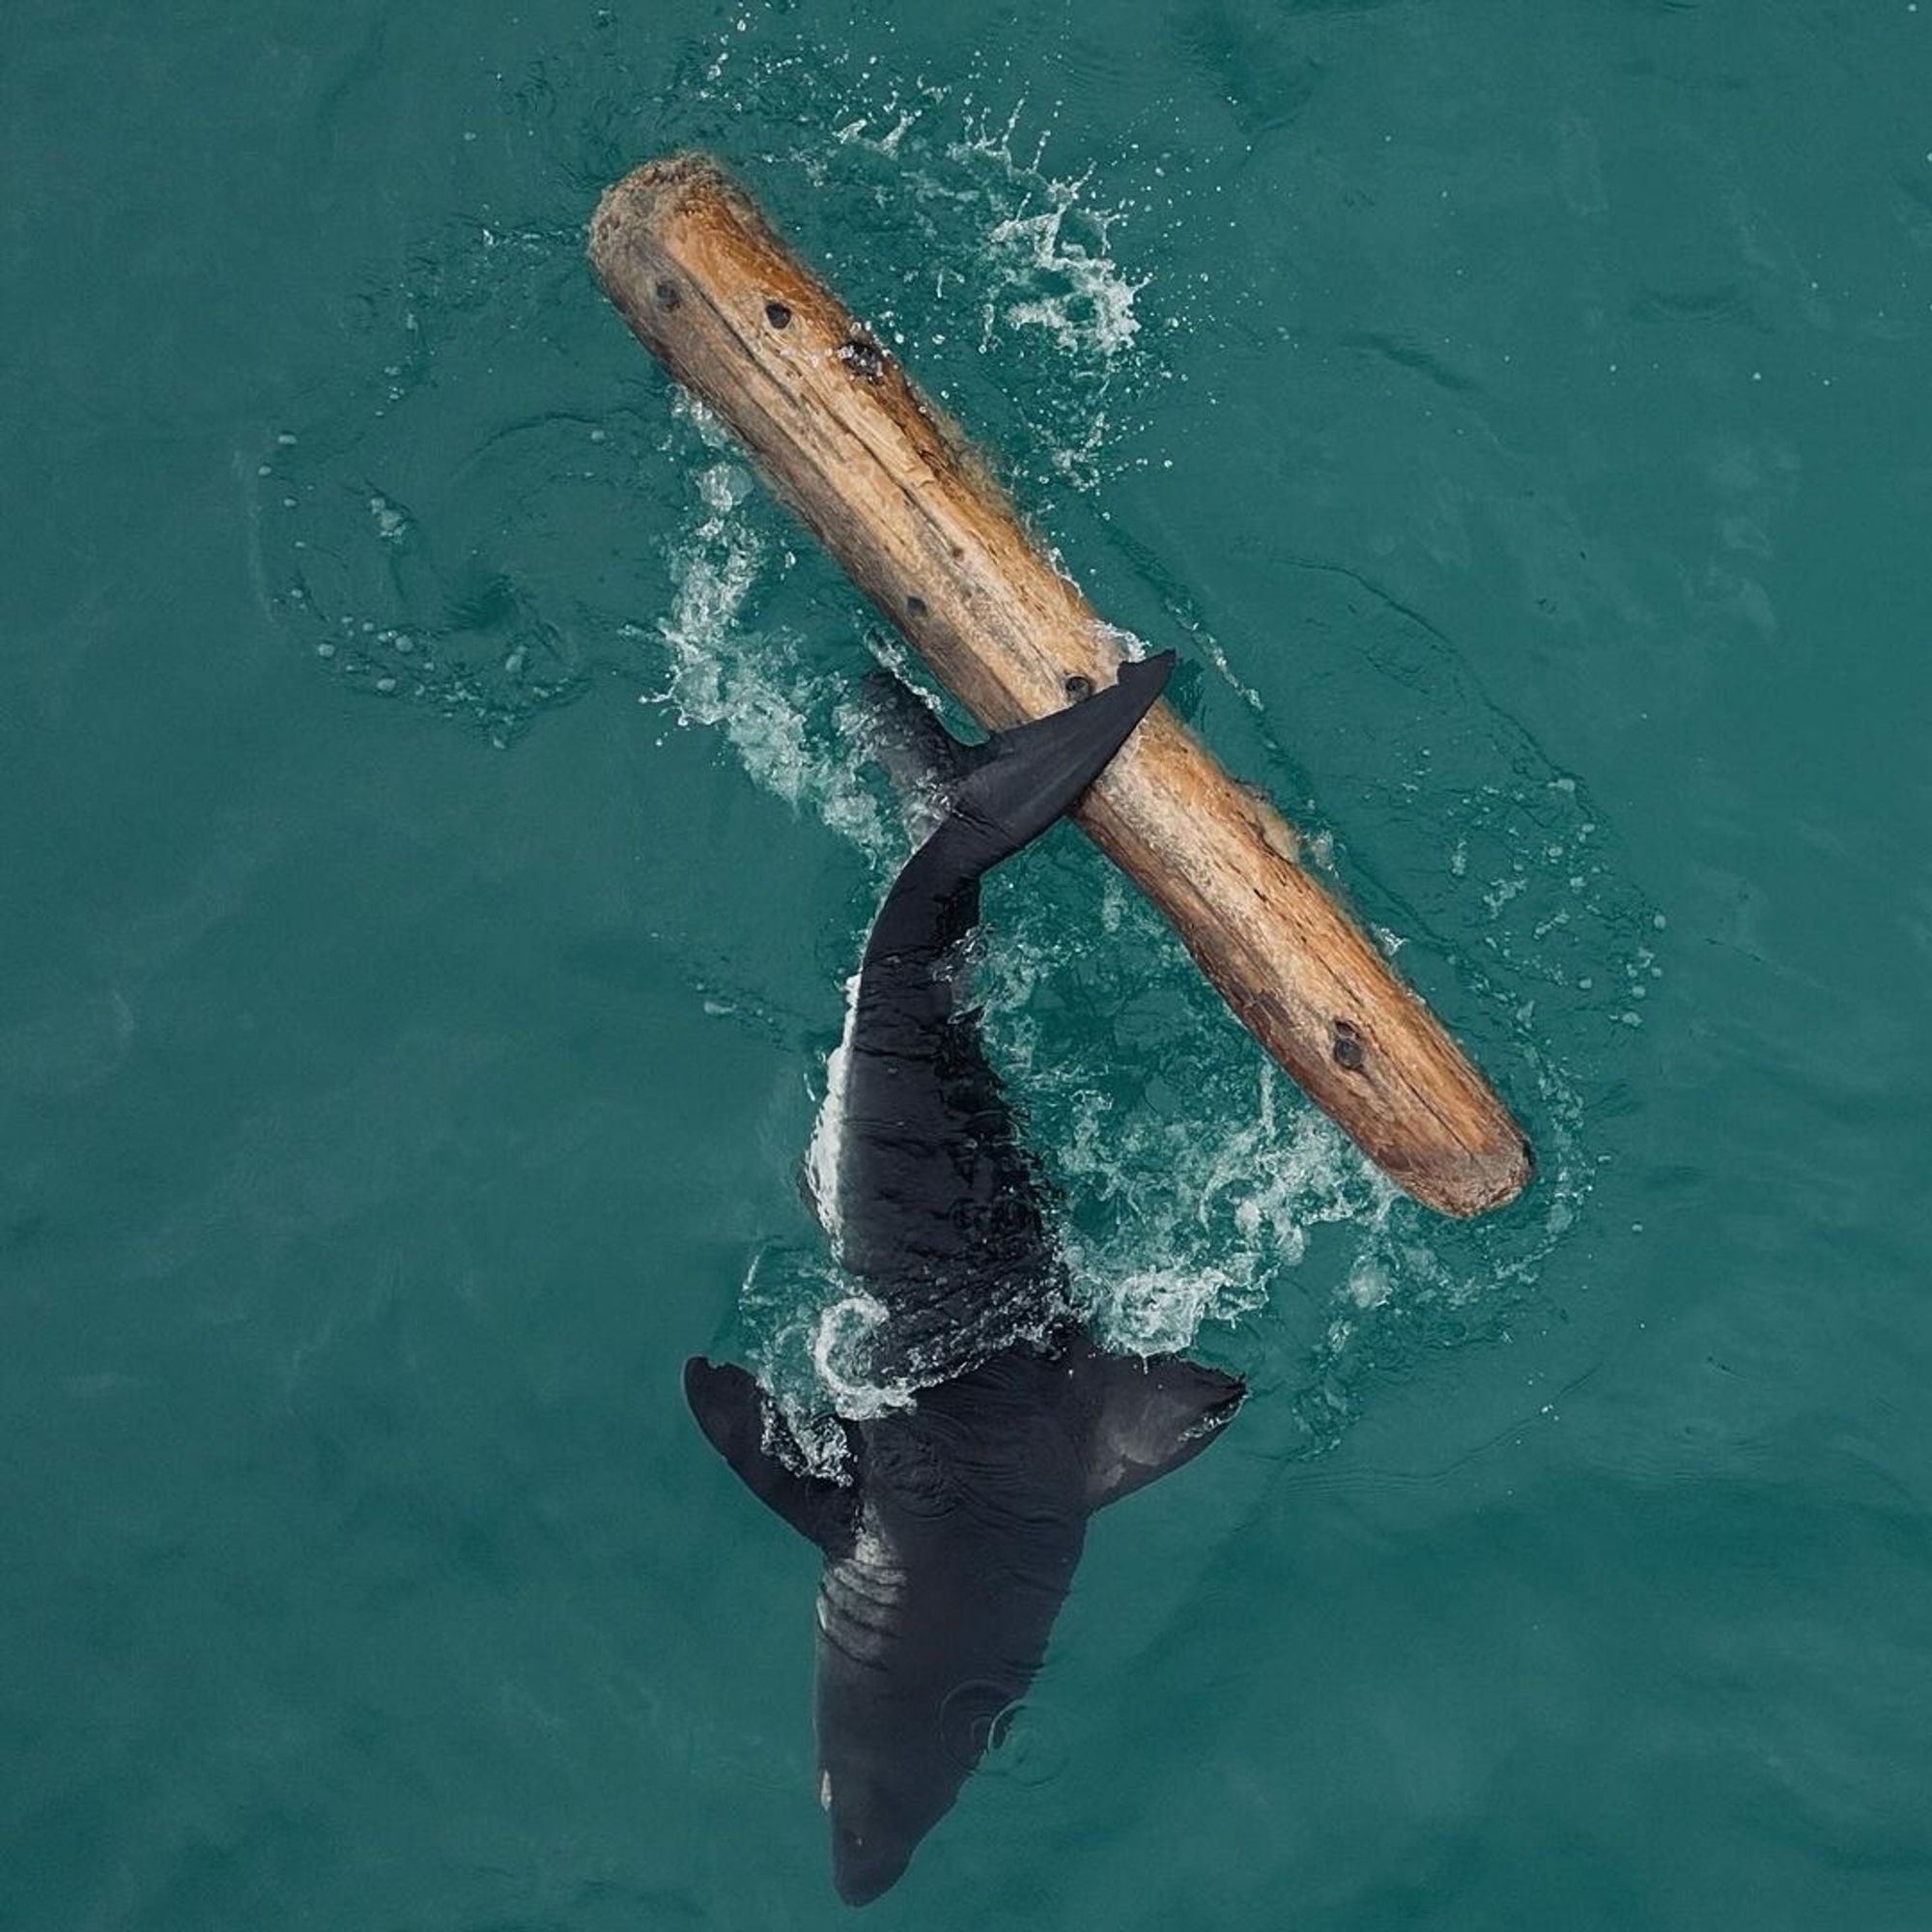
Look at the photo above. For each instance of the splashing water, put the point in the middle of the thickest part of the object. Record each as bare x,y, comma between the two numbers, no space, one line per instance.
1231,1210
751,682
1055,268
1018,261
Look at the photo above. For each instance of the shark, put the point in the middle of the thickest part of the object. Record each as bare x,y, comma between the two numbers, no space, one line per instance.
949,1541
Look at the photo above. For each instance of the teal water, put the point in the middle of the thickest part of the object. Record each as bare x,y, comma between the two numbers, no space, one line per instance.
433,845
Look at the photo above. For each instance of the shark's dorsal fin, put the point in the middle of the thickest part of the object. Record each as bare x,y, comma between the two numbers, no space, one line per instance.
1146,1415
734,1413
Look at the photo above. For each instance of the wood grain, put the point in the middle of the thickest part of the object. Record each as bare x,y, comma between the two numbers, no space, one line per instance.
900,499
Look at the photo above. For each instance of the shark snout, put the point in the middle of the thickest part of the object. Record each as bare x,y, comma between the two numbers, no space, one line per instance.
866,1865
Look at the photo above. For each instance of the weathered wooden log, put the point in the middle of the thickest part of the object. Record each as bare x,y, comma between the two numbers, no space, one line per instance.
899,498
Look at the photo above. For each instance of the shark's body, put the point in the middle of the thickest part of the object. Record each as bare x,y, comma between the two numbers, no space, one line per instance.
948,1557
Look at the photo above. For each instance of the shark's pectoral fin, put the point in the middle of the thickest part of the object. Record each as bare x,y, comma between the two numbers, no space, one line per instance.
1147,1416
734,1413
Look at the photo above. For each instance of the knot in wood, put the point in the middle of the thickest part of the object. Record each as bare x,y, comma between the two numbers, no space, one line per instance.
866,360
1347,1046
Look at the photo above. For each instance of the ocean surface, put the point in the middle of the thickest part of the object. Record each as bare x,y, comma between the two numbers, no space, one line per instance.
434,841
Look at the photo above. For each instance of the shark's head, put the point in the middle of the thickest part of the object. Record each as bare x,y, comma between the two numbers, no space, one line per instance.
947,1561
898,1774
895,1746
867,1857
930,1627
874,1834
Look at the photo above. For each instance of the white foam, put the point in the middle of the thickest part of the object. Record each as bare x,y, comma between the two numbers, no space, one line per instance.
1049,269
823,1154
837,1353
1131,646
1218,1203
1083,303
729,673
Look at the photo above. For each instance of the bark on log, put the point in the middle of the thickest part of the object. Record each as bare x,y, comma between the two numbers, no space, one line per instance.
900,499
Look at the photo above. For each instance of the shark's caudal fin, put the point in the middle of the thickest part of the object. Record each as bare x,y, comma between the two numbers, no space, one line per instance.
998,797
1013,787
1017,782
1144,1417
736,1416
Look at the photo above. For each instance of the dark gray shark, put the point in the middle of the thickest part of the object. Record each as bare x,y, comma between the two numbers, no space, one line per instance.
948,1553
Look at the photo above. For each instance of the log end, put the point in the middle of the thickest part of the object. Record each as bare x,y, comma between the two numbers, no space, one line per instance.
1466,1182
1400,1088
686,193
1413,1103
645,193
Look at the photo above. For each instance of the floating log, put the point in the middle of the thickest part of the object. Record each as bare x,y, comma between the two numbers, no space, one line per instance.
900,499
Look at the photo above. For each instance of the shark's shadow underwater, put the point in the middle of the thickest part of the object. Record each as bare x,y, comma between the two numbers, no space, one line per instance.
949,1554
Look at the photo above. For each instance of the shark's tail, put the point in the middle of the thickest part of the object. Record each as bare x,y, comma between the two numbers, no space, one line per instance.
1001,795
996,798
1017,783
